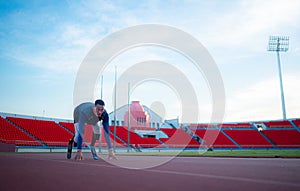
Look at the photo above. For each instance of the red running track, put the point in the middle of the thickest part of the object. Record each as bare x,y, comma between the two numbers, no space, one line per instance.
49,172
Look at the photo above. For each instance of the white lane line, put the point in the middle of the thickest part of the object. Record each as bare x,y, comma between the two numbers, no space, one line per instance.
71,161
223,177
232,178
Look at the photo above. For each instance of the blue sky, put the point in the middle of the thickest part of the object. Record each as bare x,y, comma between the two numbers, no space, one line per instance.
42,44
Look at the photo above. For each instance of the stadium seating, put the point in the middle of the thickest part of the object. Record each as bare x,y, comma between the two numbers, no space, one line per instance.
178,139
69,126
284,138
235,125
48,132
248,138
278,124
12,135
215,139
36,132
135,139
143,128
200,125
88,133
297,122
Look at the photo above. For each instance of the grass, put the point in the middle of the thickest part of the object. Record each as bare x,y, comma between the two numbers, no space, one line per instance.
216,153
226,153
248,153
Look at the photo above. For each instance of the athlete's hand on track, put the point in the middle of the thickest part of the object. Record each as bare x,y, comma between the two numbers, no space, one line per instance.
79,155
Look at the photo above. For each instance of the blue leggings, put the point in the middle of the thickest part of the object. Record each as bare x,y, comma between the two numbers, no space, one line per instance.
106,135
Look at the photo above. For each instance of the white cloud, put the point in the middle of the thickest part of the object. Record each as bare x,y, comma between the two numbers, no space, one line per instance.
262,101
59,60
250,22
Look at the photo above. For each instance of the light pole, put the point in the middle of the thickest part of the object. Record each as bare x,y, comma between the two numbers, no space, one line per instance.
102,86
115,108
128,123
279,44
100,138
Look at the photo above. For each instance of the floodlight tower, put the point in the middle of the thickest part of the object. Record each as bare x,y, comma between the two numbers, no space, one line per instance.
279,44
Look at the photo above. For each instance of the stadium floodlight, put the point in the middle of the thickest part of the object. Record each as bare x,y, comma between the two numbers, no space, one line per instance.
279,44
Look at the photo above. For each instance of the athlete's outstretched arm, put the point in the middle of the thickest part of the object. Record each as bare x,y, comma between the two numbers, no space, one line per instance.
80,132
105,124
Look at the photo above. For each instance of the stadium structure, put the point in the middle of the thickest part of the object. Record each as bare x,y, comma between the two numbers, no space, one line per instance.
148,131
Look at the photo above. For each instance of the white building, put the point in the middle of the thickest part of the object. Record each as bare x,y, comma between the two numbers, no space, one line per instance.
140,116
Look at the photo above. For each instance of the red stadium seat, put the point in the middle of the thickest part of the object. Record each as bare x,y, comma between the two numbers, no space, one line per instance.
48,132
179,139
12,135
248,138
135,139
284,138
68,125
215,138
235,125
278,124
297,122
200,125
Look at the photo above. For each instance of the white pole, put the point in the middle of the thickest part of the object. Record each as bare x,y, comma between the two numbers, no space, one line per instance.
100,138
128,123
281,87
101,86
115,108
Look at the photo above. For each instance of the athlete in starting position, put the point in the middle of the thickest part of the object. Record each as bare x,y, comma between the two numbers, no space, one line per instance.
95,115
